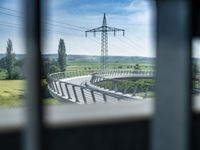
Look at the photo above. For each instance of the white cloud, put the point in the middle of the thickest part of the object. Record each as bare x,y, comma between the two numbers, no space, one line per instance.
137,6
135,19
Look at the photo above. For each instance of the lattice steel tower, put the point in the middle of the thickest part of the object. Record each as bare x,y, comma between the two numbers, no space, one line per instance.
104,29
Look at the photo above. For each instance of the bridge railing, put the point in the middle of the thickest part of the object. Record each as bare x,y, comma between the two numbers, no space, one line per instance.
69,92
71,73
113,74
114,77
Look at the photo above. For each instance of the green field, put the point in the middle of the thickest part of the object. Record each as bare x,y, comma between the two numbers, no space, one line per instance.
2,74
12,91
79,66
12,94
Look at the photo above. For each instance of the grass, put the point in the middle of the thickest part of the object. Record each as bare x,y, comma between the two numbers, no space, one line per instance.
12,91
12,94
116,65
149,95
2,74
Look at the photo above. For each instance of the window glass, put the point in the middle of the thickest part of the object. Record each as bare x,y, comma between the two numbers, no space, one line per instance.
99,51
196,69
12,54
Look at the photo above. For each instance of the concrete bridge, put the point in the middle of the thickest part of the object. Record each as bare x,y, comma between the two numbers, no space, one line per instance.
82,87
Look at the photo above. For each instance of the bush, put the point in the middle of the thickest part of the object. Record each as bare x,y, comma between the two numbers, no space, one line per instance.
137,67
45,90
119,67
16,74
53,69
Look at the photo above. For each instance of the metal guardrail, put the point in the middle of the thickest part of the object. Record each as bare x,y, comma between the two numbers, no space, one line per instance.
72,93
93,92
114,75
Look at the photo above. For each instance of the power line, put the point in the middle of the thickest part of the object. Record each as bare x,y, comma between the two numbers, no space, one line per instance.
110,44
62,32
10,23
52,24
9,14
59,24
50,20
130,45
18,26
7,26
43,22
67,24
104,29
4,8
137,44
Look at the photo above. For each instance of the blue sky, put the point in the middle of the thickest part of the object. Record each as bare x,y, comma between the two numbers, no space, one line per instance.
135,16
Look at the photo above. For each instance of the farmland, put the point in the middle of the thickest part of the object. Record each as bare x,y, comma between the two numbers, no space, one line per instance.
12,91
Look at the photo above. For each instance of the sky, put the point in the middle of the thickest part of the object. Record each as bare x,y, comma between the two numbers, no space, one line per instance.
68,19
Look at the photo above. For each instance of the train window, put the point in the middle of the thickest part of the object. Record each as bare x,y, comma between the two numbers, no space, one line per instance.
12,54
90,54
83,54
196,71
100,51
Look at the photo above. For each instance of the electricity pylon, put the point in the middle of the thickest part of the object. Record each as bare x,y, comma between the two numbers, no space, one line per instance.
104,29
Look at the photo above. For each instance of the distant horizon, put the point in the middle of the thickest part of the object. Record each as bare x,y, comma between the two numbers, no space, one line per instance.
82,55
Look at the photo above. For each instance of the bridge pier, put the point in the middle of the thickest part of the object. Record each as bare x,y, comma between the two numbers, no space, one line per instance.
146,92
114,85
135,90
125,90
104,97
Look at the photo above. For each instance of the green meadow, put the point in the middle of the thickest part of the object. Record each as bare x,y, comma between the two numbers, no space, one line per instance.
12,94
12,91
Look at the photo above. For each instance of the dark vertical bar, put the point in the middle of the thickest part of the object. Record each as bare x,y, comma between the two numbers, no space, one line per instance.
135,89
83,95
104,97
53,87
75,94
69,97
113,84
57,90
171,121
146,92
93,97
34,112
196,18
61,89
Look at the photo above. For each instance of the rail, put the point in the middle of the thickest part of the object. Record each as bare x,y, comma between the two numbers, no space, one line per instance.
72,93
93,92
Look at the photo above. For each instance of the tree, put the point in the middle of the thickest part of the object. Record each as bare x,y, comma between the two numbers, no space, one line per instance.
137,67
10,59
53,69
3,63
62,55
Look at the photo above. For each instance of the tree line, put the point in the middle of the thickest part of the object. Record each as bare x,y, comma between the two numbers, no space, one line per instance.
14,67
